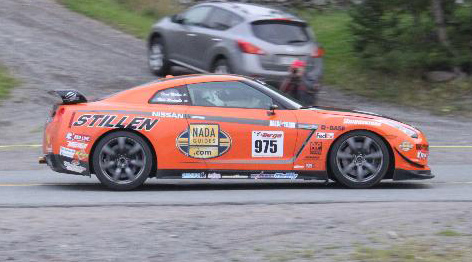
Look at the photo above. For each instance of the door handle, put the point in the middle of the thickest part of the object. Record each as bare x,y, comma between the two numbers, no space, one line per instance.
191,34
216,39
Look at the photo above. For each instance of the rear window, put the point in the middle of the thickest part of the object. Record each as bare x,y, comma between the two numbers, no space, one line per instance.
281,32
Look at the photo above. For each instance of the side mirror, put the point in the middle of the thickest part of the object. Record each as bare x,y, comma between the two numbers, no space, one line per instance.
178,18
272,109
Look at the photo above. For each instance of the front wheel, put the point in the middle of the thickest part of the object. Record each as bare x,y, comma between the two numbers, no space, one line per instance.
122,161
359,159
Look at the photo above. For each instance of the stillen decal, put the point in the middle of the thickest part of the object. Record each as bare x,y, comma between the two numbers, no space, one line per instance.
203,141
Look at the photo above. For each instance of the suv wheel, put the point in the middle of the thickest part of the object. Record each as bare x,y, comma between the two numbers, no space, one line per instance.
157,57
221,66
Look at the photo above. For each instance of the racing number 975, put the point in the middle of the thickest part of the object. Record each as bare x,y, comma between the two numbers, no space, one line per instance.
265,146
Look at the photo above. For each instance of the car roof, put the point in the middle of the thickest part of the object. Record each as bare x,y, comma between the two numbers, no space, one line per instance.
253,11
191,79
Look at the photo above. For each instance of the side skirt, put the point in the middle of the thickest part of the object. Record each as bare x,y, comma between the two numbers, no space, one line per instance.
235,174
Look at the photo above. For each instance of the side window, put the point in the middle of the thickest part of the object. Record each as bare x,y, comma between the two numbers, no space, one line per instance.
228,94
197,16
172,96
221,19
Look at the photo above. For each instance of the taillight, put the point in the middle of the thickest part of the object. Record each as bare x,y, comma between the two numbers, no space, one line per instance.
249,48
318,52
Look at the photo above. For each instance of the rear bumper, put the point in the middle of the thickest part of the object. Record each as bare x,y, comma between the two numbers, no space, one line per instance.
401,174
65,165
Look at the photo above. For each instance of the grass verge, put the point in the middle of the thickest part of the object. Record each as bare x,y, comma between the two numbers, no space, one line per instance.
410,251
343,70
7,82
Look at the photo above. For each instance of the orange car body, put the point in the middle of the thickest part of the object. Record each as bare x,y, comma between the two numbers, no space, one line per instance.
218,142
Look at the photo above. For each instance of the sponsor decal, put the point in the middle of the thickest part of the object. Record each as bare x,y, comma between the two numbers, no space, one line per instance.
278,123
203,141
316,148
422,156
309,157
67,152
74,166
324,135
167,115
77,137
422,147
237,176
298,166
309,165
113,121
348,121
81,155
289,175
193,175
267,143
406,146
332,128
77,145
214,176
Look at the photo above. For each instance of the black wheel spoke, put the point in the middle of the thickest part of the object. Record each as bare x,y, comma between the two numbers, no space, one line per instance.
135,149
360,173
107,149
349,167
137,163
343,155
370,167
352,143
367,143
121,143
375,155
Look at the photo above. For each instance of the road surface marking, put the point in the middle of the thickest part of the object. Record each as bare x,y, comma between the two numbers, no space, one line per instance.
16,146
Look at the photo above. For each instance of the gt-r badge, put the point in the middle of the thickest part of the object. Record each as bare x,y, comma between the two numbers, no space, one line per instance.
203,141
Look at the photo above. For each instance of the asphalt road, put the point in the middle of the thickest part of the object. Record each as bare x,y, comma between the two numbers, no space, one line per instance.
42,188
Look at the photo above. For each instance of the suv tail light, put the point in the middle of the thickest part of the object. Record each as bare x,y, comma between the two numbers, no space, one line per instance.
318,52
249,48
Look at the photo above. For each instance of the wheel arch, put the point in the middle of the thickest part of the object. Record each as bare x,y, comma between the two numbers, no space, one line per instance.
152,36
391,166
216,58
153,151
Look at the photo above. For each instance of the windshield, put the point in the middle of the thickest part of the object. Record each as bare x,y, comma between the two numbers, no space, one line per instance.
286,100
281,32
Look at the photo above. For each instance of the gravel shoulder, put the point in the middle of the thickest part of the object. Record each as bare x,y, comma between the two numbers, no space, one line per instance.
49,47
334,232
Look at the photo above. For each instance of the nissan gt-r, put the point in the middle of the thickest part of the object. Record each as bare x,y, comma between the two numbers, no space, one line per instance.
225,127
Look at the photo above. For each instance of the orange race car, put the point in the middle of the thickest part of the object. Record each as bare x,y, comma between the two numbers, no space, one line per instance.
225,127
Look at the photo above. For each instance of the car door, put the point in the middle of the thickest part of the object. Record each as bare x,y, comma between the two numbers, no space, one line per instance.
232,128
211,34
170,106
193,22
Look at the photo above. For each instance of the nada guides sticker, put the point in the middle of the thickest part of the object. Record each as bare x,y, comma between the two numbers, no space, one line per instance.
203,141
267,143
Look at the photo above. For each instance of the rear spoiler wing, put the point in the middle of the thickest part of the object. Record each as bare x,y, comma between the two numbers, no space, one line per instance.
69,96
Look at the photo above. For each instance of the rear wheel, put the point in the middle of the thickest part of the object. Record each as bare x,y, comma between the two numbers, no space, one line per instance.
359,159
222,66
122,161
157,57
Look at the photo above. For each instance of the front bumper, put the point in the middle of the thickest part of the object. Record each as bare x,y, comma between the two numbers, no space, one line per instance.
401,174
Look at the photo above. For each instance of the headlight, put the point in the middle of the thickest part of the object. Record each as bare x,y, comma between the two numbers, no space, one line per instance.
408,131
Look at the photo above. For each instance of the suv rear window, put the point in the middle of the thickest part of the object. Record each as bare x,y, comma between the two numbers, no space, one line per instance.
281,32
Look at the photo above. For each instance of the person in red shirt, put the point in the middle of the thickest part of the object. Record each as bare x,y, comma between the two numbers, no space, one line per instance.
298,84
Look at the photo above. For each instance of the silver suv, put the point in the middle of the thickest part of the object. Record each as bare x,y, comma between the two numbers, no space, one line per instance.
236,38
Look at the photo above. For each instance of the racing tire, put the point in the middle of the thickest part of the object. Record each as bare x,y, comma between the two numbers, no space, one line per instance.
157,57
222,66
122,161
359,159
